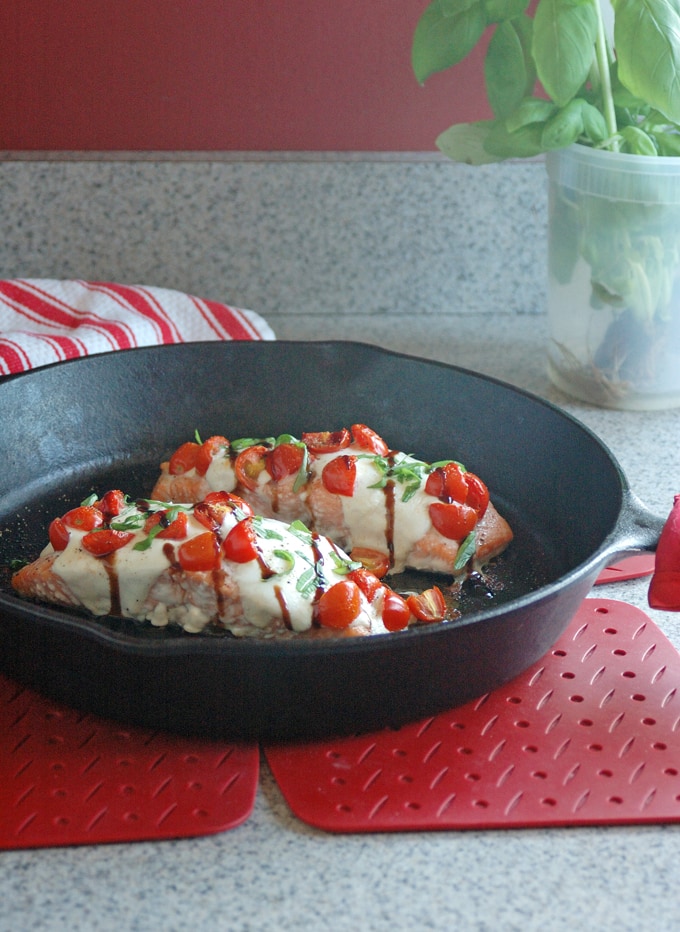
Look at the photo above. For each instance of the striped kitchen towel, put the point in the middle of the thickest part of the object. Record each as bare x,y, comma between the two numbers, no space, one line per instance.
43,321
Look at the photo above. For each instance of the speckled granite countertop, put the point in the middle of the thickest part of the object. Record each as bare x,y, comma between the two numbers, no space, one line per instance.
274,872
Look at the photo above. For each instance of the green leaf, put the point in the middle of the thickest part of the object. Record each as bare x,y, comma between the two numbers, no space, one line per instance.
445,34
637,142
564,127
497,11
531,110
505,70
563,45
464,142
647,41
594,123
524,143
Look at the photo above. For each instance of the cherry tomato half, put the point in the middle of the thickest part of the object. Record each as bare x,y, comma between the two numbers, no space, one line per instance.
477,495
285,460
367,439
249,464
447,483
184,458
84,518
199,554
102,543
453,520
240,543
339,474
58,534
207,452
176,530
396,612
368,582
111,503
374,560
327,441
340,605
428,606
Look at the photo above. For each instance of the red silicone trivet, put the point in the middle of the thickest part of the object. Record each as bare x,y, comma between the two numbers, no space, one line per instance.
641,564
67,778
589,735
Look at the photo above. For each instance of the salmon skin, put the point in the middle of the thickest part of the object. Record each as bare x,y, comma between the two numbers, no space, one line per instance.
386,508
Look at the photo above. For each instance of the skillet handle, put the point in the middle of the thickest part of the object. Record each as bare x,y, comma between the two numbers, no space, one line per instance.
637,528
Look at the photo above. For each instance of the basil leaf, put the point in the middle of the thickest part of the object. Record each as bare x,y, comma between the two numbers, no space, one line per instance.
307,583
563,45
505,70
445,34
465,551
287,558
564,127
648,51
531,110
464,142
499,10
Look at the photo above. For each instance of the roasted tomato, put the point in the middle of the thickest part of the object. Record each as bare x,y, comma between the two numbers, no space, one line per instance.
447,483
84,518
374,560
285,460
428,606
184,458
477,494
367,439
339,474
240,543
249,464
453,520
199,554
340,605
207,451
111,504
327,441
175,530
212,511
58,534
368,582
102,543
395,614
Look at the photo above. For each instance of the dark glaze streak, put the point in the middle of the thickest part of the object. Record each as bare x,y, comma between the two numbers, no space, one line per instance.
109,562
285,614
389,512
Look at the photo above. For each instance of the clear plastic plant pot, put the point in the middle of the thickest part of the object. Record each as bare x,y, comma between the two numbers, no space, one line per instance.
614,288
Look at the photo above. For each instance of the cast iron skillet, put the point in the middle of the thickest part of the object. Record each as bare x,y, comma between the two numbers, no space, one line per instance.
109,420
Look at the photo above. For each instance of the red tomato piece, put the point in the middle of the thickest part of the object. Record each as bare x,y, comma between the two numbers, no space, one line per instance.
477,494
102,543
227,502
184,458
374,560
249,464
428,606
447,483
58,534
207,452
327,441
340,605
453,520
176,530
111,503
368,582
84,518
396,612
240,544
339,474
199,554
367,439
285,460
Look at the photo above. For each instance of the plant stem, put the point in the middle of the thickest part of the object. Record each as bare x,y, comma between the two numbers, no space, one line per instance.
602,66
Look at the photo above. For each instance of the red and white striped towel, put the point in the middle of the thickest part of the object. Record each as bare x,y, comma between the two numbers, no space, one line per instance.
43,321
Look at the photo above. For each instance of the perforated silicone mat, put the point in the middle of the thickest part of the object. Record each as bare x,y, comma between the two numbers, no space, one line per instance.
589,735
67,778
640,564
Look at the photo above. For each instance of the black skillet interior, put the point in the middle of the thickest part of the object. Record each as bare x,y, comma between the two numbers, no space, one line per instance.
108,421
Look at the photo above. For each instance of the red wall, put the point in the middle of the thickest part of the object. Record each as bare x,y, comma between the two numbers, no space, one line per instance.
298,75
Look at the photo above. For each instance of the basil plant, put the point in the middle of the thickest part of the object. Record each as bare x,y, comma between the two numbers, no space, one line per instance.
601,74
